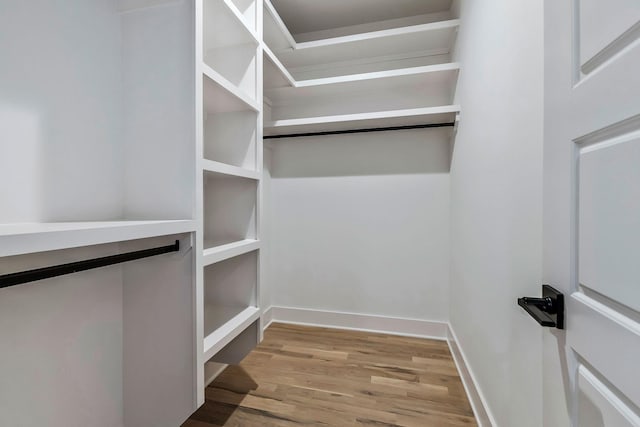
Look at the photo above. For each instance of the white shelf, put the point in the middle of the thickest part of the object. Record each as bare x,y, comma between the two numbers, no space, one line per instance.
220,95
434,38
24,238
415,116
211,166
222,252
429,39
442,77
226,323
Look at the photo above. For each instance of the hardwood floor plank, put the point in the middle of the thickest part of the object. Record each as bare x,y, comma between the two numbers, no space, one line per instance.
310,376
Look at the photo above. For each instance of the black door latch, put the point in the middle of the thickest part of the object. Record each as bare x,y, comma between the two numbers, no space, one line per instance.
548,310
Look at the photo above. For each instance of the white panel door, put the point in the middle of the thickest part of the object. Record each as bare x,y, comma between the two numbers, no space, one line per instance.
592,211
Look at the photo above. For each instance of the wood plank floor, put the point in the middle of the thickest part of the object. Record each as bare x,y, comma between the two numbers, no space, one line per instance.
326,377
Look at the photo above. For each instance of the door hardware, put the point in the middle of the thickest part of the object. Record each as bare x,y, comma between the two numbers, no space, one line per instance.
548,310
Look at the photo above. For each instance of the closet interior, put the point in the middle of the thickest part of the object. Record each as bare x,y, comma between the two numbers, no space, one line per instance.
136,123
261,82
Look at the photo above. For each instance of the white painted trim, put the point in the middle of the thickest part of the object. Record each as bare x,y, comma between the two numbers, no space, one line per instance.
267,318
359,322
481,410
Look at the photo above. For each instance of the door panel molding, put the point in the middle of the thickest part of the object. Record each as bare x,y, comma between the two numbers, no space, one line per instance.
596,332
600,405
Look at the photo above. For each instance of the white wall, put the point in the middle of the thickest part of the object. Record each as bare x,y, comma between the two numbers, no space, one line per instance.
60,100
496,198
360,224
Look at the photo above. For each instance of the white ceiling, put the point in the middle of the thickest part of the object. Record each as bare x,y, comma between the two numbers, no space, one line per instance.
302,16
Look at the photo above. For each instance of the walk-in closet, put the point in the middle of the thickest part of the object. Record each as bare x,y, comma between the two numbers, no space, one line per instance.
301,212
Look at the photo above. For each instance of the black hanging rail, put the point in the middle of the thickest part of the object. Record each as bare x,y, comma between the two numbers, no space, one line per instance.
74,267
340,132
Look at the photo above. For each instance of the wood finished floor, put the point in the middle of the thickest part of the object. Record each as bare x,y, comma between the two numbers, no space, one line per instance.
310,376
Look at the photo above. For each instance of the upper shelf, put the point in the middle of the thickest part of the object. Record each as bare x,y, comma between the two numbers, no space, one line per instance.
434,38
18,239
420,81
220,95
378,119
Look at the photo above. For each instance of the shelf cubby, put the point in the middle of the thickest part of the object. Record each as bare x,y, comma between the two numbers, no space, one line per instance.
230,209
231,138
229,46
220,95
230,295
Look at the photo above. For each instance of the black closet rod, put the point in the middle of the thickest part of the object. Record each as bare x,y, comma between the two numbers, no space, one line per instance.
74,267
339,132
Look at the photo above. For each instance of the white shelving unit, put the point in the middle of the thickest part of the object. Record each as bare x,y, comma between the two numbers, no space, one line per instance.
389,77
229,139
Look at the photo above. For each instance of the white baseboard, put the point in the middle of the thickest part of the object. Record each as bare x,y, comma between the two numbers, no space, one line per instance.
484,417
267,318
358,322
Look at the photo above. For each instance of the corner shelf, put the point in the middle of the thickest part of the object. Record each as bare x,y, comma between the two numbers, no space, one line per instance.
435,38
433,82
226,323
219,253
409,117
25,238
430,39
